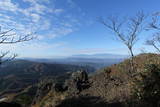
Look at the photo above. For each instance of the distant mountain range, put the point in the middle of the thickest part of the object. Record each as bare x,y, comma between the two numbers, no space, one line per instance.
95,60
101,56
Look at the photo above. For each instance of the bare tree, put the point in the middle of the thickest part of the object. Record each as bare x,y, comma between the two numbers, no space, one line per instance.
154,41
8,37
127,31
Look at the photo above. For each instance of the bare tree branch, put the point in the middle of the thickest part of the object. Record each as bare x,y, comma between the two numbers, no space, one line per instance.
154,24
7,37
6,59
154,41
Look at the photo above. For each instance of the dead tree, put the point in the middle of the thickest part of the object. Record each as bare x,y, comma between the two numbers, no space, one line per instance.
127,31
8,37
154,41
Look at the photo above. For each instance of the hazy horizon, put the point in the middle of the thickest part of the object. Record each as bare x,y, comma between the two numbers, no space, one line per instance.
77,55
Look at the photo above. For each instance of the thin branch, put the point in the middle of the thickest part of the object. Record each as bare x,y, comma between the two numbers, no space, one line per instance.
155,23
7,37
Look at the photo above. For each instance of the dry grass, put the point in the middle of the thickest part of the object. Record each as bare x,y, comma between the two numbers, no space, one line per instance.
112,84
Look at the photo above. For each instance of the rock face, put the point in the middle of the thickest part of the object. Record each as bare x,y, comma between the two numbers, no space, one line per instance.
78,82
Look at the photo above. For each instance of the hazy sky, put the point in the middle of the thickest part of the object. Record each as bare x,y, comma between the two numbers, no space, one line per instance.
67,27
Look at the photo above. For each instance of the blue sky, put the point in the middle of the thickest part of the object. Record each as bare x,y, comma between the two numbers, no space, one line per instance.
68,27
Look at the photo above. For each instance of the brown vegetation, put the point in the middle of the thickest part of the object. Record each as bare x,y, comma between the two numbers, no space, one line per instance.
111,86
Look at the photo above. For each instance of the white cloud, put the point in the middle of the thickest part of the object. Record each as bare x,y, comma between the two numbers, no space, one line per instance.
35,17
42,17
57,11
46,24
7,5
33,49
65,31
31,1
38,8
35,1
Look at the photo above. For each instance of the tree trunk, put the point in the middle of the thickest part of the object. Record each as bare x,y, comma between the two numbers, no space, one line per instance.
131,61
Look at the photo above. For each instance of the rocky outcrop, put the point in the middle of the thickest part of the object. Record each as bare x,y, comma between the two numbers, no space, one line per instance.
59,90
78,82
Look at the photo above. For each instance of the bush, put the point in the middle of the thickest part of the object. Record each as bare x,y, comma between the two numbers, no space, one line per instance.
148,87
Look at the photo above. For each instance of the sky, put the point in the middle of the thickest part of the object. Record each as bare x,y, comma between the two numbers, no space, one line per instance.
69,27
